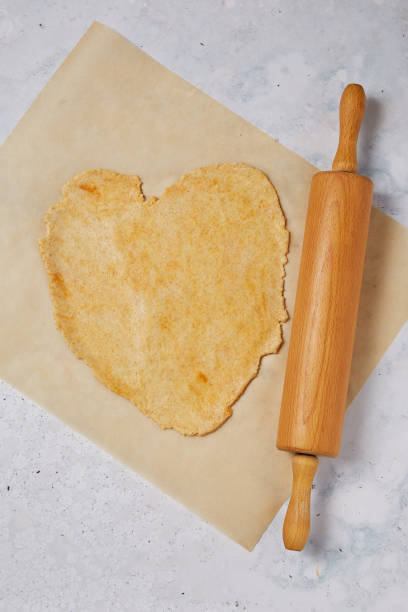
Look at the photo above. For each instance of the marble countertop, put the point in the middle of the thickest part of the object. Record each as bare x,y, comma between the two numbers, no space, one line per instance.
78,531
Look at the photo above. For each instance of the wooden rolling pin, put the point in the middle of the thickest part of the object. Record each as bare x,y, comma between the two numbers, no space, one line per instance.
325,316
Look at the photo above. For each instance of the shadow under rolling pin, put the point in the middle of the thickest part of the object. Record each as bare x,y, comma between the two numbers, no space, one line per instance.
325,316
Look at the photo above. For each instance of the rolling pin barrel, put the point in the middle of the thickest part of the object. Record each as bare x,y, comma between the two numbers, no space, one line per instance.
324,321
325,316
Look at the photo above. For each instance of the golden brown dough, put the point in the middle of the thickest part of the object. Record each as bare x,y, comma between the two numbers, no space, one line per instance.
171,301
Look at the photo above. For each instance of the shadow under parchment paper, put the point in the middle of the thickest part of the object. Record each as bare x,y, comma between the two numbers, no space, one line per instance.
112,106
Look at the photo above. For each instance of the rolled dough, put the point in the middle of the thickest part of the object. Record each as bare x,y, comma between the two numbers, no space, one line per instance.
171,301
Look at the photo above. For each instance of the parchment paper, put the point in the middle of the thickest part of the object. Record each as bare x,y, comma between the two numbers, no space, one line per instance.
111,106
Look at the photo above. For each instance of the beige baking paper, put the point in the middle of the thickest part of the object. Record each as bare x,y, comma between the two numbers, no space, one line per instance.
111,106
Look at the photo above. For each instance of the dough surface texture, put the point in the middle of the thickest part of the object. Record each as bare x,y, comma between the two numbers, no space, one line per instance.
173,301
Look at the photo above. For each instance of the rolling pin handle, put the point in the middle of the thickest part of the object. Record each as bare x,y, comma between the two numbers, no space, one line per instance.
352,106
297,521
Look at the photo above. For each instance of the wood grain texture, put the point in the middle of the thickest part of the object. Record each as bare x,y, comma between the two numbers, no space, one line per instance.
297,520
319,360
352,106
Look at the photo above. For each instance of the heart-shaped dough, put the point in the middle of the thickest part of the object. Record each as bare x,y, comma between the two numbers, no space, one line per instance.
171,301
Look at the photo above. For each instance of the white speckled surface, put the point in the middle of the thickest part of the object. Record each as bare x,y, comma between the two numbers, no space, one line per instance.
80,532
